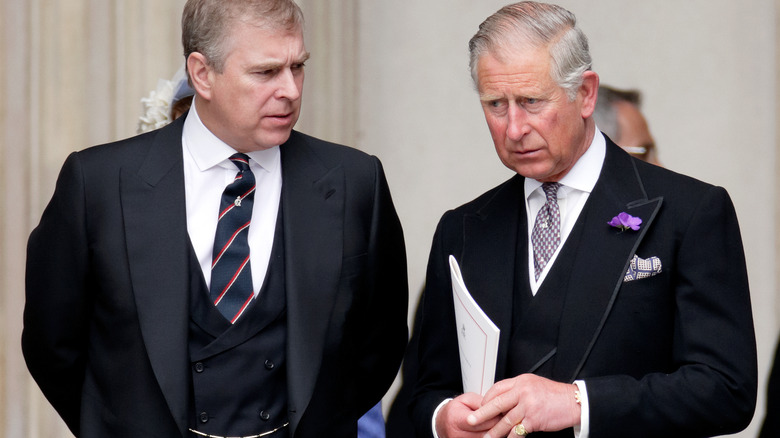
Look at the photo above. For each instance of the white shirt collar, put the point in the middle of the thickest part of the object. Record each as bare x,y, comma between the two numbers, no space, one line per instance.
585,173
207,150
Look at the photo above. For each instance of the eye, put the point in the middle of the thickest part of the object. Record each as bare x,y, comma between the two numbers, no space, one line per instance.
531,103
267,72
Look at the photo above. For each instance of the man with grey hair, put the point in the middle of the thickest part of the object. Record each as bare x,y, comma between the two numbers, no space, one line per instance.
619,118
224,275
620,288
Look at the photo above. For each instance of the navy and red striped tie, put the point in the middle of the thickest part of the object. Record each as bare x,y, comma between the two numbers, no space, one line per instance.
231,277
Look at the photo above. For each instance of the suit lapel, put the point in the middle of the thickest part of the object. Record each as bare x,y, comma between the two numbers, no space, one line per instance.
602,257
313,198
488,262
153,206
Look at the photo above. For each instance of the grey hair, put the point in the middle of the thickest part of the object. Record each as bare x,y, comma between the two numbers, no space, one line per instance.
206,24
605,113
540,25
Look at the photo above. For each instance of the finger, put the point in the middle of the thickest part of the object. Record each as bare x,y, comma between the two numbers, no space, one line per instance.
497,389
510,419
502,428
451,420
513,431
470,399
496,407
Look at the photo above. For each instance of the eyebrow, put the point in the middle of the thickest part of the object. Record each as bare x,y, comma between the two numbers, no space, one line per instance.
489,97
272,65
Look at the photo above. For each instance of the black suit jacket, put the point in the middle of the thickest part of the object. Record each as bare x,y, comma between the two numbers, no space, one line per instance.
770,428
107,310
669,355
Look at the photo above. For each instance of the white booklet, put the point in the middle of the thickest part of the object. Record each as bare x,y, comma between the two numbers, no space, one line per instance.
477,337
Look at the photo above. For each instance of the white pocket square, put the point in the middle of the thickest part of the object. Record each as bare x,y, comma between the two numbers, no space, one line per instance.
642,268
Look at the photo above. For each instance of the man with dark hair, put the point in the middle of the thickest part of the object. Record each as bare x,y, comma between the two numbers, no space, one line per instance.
619,287
618,116
224,275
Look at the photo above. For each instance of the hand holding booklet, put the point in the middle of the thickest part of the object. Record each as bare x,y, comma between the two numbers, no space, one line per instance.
477,337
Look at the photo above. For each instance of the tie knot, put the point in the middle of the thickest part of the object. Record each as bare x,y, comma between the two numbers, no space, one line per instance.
241,161
551,190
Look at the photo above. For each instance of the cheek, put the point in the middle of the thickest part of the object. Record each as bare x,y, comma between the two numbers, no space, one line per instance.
551,129
496,126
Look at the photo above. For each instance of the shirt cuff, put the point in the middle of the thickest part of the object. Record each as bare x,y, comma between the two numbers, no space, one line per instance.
583,430
436,412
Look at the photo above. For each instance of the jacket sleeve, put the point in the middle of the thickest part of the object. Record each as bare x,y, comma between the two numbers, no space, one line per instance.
54,337
439,373
383,335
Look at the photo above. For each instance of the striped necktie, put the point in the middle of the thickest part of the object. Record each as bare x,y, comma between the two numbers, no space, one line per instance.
231,277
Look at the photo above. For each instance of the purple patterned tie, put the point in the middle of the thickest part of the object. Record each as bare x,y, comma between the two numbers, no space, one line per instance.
231,277
546,235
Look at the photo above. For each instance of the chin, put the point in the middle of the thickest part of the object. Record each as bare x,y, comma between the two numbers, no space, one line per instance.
533,173
269,141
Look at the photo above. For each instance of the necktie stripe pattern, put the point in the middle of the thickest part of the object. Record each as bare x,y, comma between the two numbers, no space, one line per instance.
236,202
231,274
231,282
546,235
218,255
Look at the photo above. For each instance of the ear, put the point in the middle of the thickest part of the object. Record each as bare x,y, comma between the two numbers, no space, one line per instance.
589,91
201,74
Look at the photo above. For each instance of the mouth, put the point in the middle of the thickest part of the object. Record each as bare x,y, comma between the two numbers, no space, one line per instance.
282,118
527,152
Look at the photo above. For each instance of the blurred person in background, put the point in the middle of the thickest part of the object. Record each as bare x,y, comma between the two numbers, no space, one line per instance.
618,116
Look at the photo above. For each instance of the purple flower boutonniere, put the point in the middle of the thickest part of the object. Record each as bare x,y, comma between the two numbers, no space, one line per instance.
624,221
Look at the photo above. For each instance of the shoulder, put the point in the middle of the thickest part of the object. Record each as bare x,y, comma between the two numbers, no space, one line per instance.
677,189
302,150
496,201
130,153
688,206
681,194
326,151
117,151
99,165
510,192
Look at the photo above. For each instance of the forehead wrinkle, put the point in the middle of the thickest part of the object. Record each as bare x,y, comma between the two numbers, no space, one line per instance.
511,84
523,75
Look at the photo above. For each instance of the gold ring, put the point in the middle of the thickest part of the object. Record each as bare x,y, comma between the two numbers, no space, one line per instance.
520,430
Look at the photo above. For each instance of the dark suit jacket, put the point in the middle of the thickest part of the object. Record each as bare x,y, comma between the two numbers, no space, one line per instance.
669,355
771,425
106,317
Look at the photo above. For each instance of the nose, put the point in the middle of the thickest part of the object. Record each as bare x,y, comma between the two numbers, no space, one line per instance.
289,85
517,122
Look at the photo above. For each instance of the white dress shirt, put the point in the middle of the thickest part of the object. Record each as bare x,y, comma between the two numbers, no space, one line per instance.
207,171
574,191
575,188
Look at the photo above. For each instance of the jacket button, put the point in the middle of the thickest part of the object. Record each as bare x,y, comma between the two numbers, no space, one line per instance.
204,417
199,367
265,416
269,365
